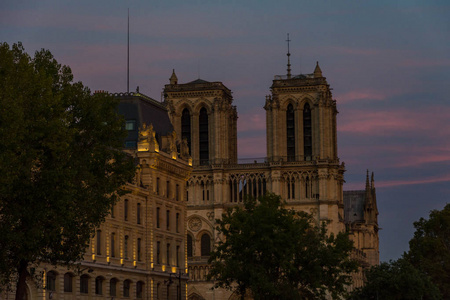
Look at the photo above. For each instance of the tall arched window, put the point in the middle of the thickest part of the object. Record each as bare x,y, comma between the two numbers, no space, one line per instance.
51,281
189,246
186,127
307,132
290,133
205,245
203,136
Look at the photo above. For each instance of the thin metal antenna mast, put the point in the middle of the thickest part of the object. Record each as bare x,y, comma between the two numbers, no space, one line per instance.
289,60
128,53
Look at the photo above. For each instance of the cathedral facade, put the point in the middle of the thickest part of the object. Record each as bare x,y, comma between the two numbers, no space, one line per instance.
302,165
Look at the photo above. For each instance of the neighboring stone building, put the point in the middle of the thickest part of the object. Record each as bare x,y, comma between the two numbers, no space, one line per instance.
139,252
302,164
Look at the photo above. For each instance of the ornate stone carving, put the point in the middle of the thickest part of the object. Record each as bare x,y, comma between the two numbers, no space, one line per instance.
195,224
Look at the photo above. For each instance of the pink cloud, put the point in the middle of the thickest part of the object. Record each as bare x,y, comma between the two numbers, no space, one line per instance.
252,146
362,95
397,121
251,121
393,183
356,51
424,62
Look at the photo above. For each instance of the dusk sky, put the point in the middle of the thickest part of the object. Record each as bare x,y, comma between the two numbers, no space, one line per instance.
388,63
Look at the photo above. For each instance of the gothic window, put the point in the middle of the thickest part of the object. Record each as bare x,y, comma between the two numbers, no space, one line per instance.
186,127
205,245
290,133
307,132
203,136
189,245
291,188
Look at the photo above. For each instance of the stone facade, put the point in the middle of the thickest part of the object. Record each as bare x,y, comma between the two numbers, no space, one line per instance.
302,163
139,252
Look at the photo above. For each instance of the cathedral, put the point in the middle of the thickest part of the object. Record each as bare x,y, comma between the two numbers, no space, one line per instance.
156,242
302,165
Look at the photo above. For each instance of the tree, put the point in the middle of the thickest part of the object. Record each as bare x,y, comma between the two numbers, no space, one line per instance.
396,280
429,249
61,163
276,253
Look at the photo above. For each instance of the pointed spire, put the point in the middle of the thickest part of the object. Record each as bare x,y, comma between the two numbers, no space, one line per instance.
173,78
289,59
367,181
317,71
372,183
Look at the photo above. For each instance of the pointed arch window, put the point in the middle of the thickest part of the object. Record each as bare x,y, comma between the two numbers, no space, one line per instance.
307,132
186,127
290,133
203,136
205,245
189,246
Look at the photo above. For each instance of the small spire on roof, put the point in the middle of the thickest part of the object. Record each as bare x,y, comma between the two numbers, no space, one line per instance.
173,79
317,71
289,59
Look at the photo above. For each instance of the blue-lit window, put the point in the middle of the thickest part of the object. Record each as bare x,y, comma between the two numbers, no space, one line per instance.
130,144
130,125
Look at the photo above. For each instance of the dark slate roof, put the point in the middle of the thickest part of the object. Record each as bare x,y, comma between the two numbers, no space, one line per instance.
354,205
143,109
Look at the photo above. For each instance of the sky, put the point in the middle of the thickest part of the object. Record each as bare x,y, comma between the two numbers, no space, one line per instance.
388,63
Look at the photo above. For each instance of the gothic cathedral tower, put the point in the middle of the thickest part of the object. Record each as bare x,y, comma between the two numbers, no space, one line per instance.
302,140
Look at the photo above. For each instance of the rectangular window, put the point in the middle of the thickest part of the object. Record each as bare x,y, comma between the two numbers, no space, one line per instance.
139,249
113,244
99,242
178,256
177,223
168,254
138,213
157,185
158,252
130,125
112,211
130,144
125,210
167,189
168,219
177,192
125,247
157,217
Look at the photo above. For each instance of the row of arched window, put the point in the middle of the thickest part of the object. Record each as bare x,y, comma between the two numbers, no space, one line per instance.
203,130
205,245
290,132
126,211
100,288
